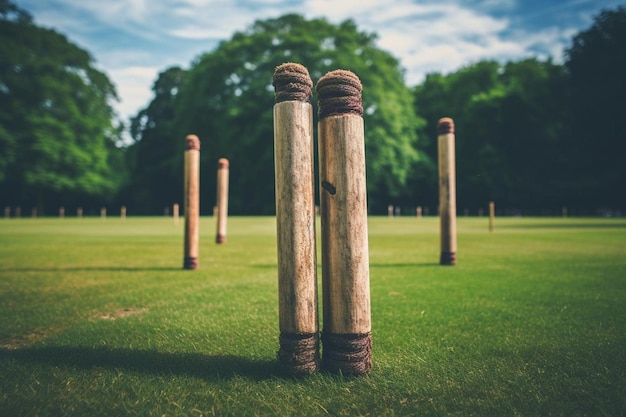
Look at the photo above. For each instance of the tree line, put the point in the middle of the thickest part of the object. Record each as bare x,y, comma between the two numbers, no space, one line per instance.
531,134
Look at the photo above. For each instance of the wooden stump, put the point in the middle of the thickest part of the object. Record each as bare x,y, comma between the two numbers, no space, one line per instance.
447,191
492,216
346,336
175,213
222,199
295,220
192,201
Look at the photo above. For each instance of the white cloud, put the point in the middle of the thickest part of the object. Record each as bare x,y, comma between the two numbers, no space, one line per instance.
426,36
134,87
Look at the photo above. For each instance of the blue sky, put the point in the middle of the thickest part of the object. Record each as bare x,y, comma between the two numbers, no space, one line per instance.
133,40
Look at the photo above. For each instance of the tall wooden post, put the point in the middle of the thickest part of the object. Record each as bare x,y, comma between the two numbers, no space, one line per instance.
447,191
492,216
295,220
346,337
192,201
123,212
222,200
79,212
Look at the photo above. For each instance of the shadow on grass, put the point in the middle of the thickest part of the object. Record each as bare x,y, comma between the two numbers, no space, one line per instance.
92,269
210,367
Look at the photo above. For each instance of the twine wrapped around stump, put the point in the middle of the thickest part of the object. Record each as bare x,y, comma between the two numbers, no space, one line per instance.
299,353
339,92
350,354
447,258
190,262
292,82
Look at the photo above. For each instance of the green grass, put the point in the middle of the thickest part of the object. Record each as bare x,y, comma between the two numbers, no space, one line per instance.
98,318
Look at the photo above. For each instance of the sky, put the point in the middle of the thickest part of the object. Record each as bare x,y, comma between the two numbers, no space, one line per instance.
133,40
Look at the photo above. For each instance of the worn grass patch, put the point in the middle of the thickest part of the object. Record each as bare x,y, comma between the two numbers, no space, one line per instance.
99,318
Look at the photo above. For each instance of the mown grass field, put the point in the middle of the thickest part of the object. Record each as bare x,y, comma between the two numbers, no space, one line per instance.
97,318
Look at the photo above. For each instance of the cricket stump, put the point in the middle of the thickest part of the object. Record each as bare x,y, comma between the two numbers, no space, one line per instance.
447,191
346,336
175,213
295,220
192,201
492,216
222,200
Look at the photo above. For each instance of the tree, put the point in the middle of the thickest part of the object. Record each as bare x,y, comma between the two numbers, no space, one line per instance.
227,101
596,62
509,121
156,177
56,122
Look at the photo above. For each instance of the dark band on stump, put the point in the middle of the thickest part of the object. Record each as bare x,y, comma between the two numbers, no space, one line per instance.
295,221
192,143
346,337
292,82
350,354
299,354
445,126
447,191
339,92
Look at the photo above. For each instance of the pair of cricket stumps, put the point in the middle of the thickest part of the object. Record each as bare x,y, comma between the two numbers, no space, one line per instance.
346,336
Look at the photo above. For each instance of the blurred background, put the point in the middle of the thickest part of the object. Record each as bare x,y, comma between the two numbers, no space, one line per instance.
96,100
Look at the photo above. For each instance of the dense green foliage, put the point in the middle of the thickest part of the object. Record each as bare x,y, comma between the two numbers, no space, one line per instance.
98,318
509,128
57,131
227,98
530,135
596,62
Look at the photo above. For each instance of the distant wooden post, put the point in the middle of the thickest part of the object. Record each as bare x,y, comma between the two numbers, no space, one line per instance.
418,211
123,212
295,220
103,212
192,202
61,212
79,212
447,191
389,210
175,213
346,337
492,216
222,199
